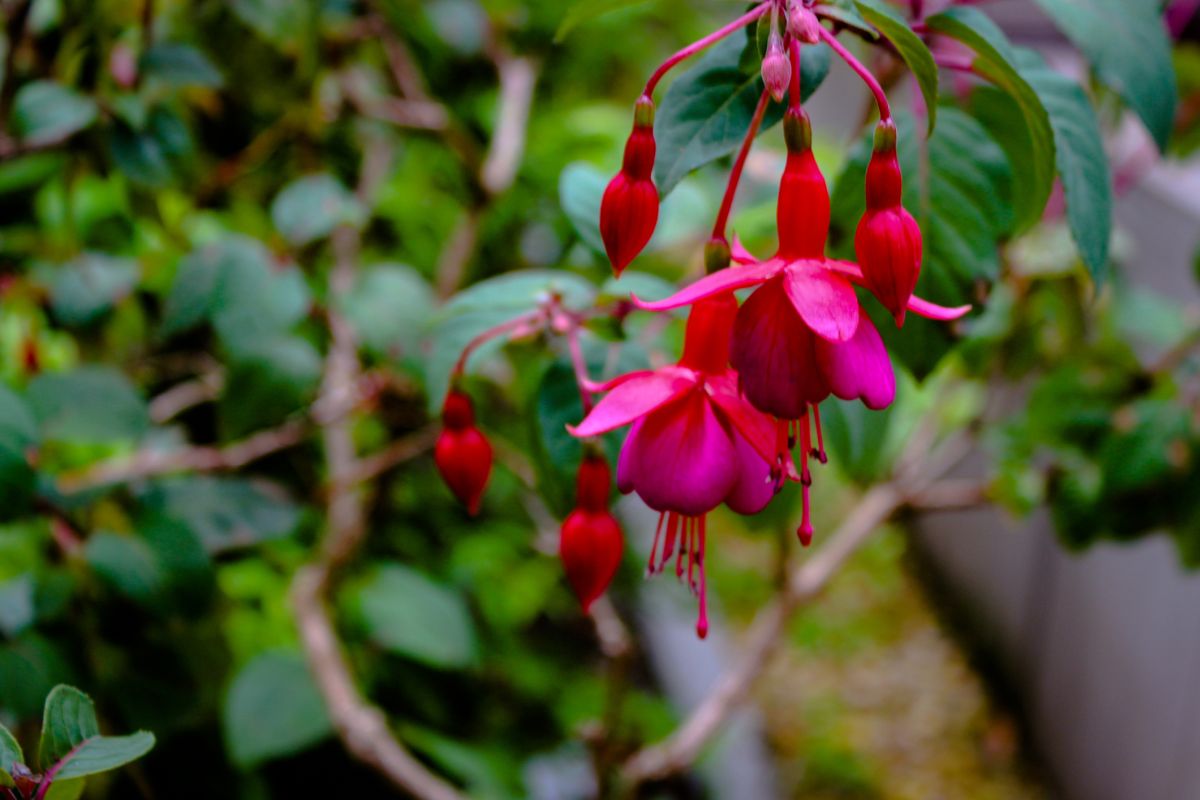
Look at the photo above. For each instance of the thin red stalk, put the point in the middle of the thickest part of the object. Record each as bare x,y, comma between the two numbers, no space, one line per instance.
700,44
735,175
580,365
885,110
491,333
794,88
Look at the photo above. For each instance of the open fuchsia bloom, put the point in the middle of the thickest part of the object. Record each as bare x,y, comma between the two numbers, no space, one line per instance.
591,543
888,240
694,442
462,453
629,208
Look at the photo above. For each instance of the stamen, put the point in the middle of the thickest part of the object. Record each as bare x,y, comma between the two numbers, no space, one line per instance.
805,531
654,547
669,546
702,619
685,546
805,448
820,454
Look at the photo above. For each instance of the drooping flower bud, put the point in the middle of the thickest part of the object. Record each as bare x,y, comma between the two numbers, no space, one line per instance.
629,209
888,239
802,213
717,255
591,543
776,67
462,453
803,23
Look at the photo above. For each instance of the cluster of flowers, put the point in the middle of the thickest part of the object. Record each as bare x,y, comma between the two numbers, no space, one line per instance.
721,425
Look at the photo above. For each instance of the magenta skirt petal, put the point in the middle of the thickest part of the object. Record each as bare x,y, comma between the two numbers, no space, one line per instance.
635,398
773,354
680,458
754,487
726,280
824,299
859,368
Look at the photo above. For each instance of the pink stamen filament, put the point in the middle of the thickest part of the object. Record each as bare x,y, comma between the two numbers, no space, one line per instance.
885,110
700,44
735,175
824,459
805,450
654,547
702,619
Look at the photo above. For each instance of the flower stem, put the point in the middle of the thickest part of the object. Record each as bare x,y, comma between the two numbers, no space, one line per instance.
700,44
885,110
735,174
580,365
514,324
794,90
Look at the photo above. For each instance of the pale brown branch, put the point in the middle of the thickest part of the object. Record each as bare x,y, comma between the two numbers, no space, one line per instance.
456,252
405,449
948,494
361,726
518,76
179,398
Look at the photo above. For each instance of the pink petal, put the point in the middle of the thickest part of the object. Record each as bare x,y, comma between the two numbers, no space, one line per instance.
739,253
747,421
859,368
772,351
823,298
725,280
627,466
848,269
754,487
680,458
635,398
934,311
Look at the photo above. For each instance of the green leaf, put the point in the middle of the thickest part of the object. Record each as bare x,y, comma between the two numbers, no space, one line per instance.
66,790
10,752
856,436
910,47
18,434
28,172
89,404
179,65
71,744
273,709
83,289
127,563
1127,44
389,307
29,668
707,110
580,190
268,382
235,284
152,153
45,112
309,208
224,513
996,61
583,11
1080,159
16,606
409,614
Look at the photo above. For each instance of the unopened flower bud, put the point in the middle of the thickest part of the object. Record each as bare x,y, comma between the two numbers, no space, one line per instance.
716,255
802,213
803,24
629,209
462,453
776,67
888,240
590,542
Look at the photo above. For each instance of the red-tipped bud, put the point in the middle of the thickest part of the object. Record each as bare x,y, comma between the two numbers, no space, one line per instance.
803,24
776,67
802,213
629,210
591,543
888,240
462,453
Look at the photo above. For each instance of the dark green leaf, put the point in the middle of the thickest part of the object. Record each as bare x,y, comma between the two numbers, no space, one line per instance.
83,289
273,709
29,667
1127,43
996,61
409,614
224,513
127,563
29,171
855,436
580,189
179,65
910,47
268,382
10,751
69,720
88,404
18,434
45,112
311,207
706,112
389,307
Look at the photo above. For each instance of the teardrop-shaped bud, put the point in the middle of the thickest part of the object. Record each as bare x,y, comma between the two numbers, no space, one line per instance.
590,543
629,208
462,453
888,240
803,24
776,67
802,213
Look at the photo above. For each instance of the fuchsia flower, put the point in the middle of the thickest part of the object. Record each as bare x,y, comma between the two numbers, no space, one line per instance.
590,543
888,240
462,453
629,208
694,442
